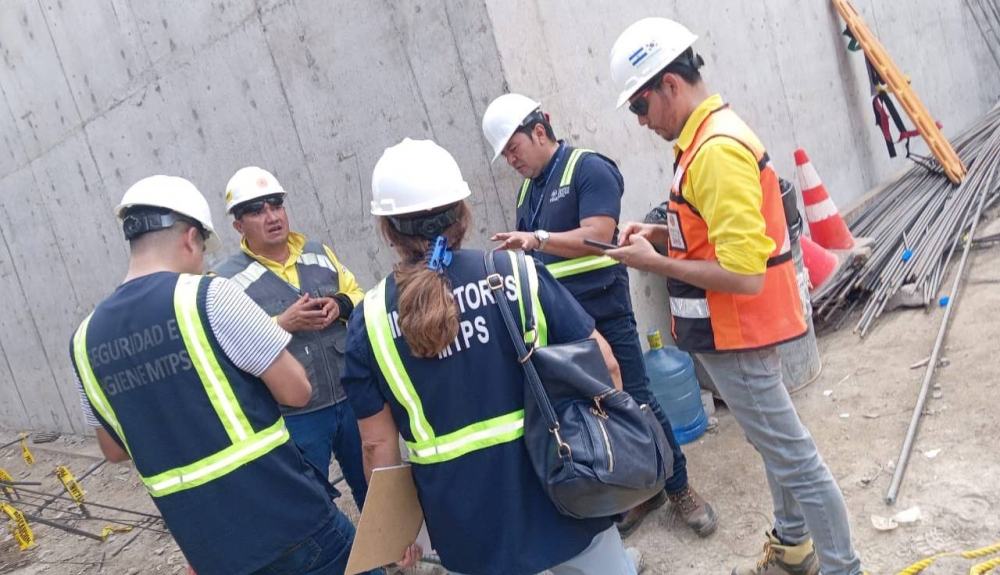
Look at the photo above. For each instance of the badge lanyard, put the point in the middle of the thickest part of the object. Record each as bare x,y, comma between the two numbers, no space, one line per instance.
541,186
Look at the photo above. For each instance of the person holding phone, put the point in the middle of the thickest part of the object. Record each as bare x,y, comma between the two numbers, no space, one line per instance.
569,195
309,293
733,292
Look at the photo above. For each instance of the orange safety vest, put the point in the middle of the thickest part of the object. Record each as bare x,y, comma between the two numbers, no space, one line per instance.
712,321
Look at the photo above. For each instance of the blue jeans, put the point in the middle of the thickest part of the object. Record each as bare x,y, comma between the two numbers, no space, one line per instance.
621,333
332,431
324,553
806,497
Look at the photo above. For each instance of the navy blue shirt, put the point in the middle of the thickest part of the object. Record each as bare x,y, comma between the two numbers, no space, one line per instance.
486,511
595,189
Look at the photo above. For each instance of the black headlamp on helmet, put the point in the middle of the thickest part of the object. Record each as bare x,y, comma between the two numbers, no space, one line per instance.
429,227
139,220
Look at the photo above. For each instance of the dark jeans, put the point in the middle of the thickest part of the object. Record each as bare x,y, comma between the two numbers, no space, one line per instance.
332,430
621,333
324,553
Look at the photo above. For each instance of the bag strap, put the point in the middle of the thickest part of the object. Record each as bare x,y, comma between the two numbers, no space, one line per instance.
495,281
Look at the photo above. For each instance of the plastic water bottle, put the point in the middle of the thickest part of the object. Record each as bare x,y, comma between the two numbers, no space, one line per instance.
672,380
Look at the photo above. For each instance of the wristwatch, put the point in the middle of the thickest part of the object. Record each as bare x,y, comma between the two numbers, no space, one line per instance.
543,238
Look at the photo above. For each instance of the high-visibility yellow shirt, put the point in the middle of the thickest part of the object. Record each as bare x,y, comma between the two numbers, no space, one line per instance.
723,184
290,273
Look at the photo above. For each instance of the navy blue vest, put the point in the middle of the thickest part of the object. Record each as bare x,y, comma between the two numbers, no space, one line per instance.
243,520
477,378
603,293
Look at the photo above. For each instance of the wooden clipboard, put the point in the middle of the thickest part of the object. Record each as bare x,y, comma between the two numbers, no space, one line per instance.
389,522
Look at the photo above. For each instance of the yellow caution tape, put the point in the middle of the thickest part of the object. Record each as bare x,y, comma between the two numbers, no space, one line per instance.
69,482
107,531
20,529
28,457
4,476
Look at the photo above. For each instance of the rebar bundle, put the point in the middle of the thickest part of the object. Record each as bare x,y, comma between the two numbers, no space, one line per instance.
986,14
916,223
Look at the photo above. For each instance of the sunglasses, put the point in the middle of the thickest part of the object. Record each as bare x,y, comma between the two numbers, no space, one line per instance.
257,206
640,105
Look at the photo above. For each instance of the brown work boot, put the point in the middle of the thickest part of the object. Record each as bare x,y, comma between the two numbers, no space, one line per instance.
633,519
695,511
781,559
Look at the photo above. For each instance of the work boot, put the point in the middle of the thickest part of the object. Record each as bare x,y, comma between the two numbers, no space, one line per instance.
781,559
633,519
695,511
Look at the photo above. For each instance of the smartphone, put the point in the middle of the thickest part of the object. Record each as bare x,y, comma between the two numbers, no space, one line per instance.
597,244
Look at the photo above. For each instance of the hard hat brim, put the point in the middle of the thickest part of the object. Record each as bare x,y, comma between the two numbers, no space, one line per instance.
423,207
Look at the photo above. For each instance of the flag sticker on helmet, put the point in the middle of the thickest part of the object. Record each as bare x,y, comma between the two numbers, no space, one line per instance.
261,182
644,52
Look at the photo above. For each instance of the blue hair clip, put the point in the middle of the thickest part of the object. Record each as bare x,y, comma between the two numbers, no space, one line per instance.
440,256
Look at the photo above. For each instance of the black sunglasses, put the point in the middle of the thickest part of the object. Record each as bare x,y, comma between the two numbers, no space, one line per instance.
640,105
257,206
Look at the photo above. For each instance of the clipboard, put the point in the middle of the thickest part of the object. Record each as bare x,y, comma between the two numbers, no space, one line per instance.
390,521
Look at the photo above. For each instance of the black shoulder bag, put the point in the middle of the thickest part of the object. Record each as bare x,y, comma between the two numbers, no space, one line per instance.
596,451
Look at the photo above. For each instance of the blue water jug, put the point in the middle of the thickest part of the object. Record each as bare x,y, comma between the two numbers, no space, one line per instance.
672,380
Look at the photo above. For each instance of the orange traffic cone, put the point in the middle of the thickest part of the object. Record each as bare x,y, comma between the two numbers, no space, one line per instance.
826,227
820,263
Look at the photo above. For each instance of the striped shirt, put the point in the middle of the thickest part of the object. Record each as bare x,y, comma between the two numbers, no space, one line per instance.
247,335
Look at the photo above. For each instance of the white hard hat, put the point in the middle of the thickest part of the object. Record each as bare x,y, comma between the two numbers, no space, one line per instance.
250,183
175,194
414,176
503,117
642,50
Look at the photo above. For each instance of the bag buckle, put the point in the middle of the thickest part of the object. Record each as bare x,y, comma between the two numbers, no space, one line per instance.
563,448
495,281
598,410
527,356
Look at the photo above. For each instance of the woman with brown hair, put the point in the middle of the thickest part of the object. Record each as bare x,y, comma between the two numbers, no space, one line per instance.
429,358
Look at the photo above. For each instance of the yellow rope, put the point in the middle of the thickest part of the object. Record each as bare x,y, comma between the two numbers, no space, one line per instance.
977,553
984,568
920,565
979,569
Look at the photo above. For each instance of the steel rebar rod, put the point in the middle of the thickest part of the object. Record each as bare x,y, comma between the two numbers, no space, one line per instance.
61,526
8,444
90,503
911,433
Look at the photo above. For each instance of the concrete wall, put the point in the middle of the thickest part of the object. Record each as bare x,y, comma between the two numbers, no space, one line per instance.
99,94
782,64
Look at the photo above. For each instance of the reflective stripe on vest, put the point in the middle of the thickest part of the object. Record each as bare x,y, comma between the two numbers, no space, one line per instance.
255,270
429,447
246,446
90,386
321,260
250,274
579,265
693,308
524,192
584,264
567,175
574,157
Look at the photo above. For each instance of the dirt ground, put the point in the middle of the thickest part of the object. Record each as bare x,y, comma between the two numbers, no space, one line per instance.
858,411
